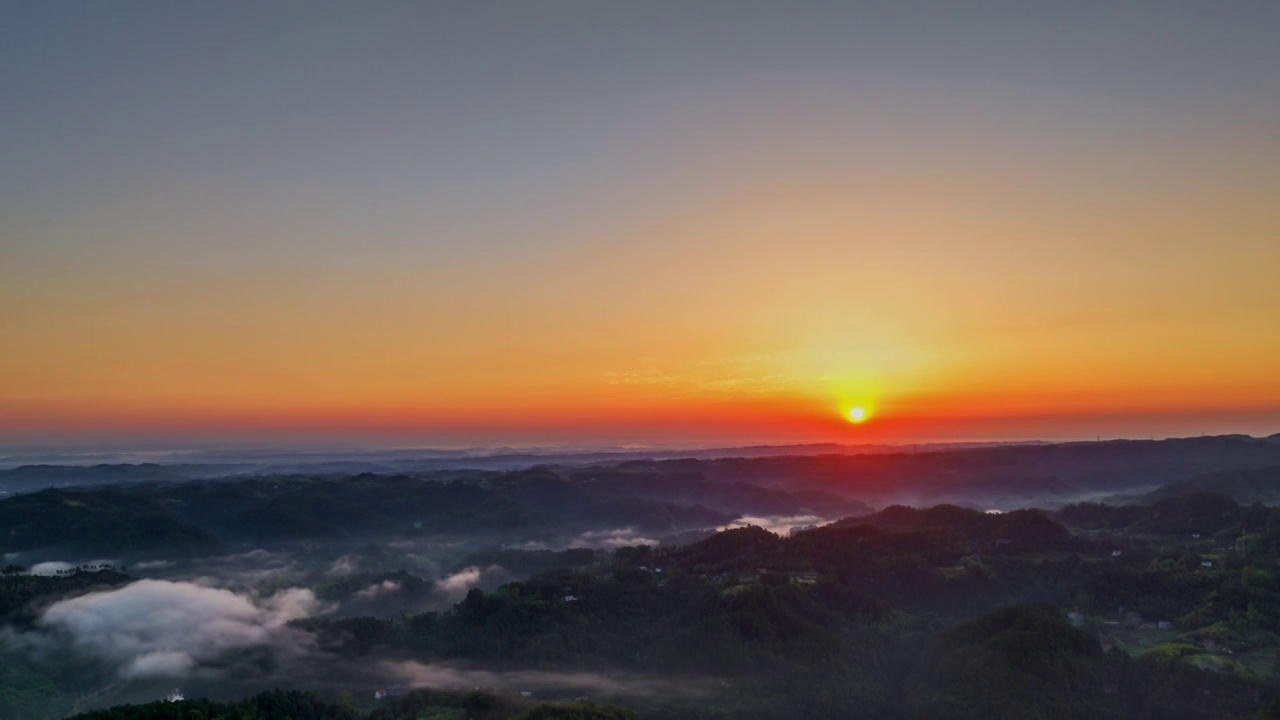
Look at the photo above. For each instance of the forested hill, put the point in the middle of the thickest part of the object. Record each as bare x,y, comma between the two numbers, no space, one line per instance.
1246,486
1206,515
937,613
166,516
109,521
942,612
920,475
1005,475
201,516
27,478
21,593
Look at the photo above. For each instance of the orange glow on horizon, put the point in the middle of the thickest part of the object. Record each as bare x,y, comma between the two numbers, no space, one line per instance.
728,422
720,307
736,231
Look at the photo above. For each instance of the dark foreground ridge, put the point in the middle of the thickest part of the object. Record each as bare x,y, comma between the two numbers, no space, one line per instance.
413,706
517,593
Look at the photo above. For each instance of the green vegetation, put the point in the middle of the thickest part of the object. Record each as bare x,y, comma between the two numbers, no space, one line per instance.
200,517
108,521
19,593
905,613
1170,609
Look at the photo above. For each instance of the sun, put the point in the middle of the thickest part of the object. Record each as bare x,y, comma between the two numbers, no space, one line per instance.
857,415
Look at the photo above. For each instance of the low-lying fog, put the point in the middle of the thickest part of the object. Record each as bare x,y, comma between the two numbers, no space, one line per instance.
210,625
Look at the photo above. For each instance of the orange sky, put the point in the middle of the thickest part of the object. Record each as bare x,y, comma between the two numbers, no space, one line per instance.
718,255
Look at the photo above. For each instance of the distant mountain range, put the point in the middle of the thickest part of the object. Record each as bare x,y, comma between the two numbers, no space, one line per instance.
265,461
193,509
1055,468
1246,486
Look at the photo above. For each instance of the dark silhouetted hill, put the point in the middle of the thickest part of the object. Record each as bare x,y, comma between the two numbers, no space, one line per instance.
1245,486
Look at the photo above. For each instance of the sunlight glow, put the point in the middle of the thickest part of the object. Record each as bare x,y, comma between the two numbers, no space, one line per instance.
857,415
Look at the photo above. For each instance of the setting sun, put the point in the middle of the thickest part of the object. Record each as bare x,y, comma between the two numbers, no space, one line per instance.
857,414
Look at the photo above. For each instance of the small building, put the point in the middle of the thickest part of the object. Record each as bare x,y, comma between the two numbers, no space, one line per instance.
1195,535
1116,553
1164,625
379,694
571,598
526,694
1206,564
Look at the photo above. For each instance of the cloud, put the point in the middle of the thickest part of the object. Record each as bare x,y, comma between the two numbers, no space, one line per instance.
616,538
245,571
424,565
607,539
345,565
162,630
157,628
52,567
376,589
417,674
434,675
393,598
452,588
455,586
777,524
462,580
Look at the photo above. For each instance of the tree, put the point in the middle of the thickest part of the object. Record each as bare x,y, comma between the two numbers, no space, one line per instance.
13,569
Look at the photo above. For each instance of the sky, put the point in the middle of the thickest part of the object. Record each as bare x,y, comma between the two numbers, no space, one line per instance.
445,223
